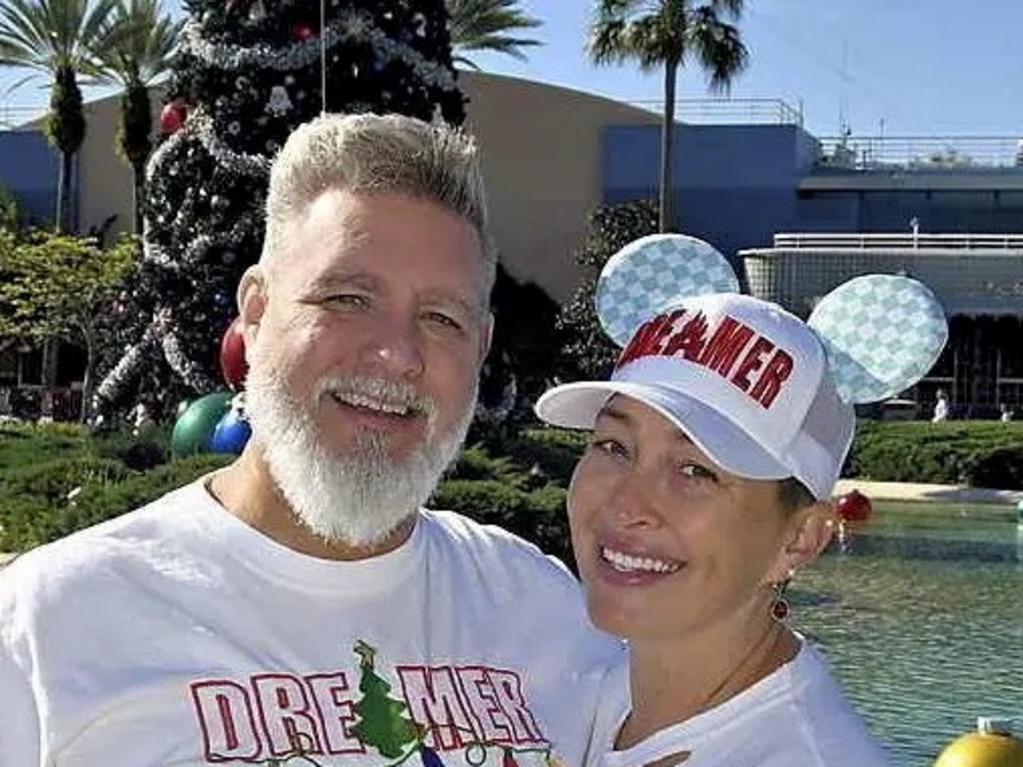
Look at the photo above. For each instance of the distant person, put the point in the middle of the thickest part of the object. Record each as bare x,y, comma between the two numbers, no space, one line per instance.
941,407
1007,413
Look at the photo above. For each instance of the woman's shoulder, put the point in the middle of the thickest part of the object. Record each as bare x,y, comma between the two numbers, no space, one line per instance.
833,729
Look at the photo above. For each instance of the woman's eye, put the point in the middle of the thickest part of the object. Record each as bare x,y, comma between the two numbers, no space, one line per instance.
696,471
608,446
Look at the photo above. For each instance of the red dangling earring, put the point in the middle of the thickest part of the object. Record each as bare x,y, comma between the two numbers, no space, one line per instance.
780,605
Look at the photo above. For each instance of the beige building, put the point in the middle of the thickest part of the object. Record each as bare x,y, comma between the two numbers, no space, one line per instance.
542,149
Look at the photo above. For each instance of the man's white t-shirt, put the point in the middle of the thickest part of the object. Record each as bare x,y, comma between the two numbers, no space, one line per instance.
797,716
178,635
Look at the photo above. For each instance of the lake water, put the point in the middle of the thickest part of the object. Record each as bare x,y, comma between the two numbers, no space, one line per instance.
921,616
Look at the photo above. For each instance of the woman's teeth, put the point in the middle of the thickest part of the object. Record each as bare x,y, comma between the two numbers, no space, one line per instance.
626,563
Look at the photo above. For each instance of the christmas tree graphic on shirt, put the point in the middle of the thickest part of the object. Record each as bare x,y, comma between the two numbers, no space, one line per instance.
423,716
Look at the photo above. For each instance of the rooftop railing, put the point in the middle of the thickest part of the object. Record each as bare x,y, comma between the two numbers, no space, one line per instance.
897,240
921,153
729,111
12,117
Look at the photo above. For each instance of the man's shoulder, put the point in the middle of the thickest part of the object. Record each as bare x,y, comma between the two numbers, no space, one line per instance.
92,551
479,539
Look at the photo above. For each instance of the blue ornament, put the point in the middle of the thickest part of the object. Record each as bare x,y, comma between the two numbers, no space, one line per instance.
231,433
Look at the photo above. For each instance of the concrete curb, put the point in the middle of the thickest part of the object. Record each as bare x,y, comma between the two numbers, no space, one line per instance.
909,491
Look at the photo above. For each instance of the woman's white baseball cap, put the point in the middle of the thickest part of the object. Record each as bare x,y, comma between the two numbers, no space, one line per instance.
745,380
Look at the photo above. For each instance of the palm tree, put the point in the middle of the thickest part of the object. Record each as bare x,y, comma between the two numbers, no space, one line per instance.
664,34
56,38
483,25
142,42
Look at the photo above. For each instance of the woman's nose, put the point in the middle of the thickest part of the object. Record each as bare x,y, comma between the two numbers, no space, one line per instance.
632,504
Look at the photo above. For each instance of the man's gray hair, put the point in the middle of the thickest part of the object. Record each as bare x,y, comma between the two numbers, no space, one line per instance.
368,153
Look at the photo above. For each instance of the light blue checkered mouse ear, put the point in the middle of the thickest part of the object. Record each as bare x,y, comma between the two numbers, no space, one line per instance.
882,332
653,272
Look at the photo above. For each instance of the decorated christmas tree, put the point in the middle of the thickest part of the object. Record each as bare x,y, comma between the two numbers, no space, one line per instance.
249,72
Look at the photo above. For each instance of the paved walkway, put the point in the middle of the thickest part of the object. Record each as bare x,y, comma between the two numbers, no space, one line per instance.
908,491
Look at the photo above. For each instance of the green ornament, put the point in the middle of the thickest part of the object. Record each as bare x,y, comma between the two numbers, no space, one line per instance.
194,427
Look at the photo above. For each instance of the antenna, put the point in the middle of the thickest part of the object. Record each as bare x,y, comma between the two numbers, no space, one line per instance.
323,57
843,117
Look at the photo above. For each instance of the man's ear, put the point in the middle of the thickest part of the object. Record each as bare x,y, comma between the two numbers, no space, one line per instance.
486,336
808,533
252,300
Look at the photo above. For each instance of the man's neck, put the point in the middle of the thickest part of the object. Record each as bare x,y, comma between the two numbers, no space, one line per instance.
247,490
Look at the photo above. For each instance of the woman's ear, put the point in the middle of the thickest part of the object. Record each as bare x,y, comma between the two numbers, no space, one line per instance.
808,533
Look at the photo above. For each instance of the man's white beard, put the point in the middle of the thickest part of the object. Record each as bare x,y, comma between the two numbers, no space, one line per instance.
358,498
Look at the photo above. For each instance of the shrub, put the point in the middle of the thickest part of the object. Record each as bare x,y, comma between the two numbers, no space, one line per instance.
1002,468
537,516
44,502
944,453
587,352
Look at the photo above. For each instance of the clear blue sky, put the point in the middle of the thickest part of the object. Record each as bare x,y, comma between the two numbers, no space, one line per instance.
904,67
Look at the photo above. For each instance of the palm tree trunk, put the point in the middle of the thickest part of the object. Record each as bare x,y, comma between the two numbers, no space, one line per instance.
139,191
87,379
667,212
62,223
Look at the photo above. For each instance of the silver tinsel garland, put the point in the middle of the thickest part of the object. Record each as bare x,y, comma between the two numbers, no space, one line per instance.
352,27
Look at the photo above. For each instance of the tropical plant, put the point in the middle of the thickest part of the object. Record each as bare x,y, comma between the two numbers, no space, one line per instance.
143,38
10,214
57,39
666,34
486,25
58,287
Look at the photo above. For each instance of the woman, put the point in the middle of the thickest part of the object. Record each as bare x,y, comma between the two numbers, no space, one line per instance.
704,487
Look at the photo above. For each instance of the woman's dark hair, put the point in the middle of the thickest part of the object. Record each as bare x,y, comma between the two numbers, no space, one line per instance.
793,495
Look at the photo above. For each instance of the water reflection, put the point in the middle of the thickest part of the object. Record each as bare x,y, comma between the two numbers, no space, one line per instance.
922,621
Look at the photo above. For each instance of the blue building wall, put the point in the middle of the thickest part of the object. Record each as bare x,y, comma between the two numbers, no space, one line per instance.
735,184
962,210
29,168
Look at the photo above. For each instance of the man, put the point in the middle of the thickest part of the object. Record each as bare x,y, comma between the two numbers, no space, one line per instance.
300,607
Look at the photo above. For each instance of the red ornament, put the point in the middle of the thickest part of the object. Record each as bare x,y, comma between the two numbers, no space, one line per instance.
232,355
854,506
302,31
172,116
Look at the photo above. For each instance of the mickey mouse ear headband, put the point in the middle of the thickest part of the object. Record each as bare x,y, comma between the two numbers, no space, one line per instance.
881,333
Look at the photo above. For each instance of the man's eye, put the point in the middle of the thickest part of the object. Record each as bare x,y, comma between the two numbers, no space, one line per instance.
348,299
444,320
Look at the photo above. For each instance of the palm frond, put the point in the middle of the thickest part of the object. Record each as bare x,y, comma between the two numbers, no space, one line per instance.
489,25
138,43
48,35
718,47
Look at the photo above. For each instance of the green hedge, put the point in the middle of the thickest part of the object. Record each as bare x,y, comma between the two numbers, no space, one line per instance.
57,479
954,452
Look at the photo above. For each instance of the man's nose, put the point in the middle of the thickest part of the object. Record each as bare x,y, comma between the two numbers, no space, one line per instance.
396,347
